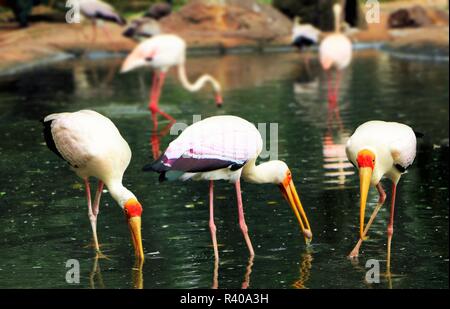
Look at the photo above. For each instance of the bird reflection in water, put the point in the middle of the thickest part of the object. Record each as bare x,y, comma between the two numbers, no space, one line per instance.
305,270
245,283
90,81
336,164
364,270
96,275
137,275
96,279
156,136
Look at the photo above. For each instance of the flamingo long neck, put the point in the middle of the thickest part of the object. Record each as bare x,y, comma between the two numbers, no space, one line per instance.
199,83
119,193
259,174
337,18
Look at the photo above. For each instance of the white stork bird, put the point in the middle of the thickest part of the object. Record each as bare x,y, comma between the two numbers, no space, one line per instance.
96,10
335,50
380,149
93,147
161,52
226,148
304,35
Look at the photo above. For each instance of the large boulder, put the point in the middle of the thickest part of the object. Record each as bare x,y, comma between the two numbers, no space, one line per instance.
235,22
417,16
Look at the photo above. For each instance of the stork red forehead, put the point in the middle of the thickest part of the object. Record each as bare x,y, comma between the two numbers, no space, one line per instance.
133,208
366,158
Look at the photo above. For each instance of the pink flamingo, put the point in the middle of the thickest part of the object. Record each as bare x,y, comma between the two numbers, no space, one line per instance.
335,51
162,52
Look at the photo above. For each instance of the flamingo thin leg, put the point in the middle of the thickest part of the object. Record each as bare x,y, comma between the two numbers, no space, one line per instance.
158,82
390,229
355,252
242,223
92,217
212,225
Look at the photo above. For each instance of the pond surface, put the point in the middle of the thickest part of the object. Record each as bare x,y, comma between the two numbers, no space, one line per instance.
43,213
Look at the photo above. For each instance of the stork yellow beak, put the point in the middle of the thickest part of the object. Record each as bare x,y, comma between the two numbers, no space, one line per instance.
290,193
365,175
134,224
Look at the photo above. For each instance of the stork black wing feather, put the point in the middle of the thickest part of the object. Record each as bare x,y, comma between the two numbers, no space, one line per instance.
49,138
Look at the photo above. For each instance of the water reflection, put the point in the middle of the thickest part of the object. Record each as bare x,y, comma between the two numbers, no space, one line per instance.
306,88
245,282
305,270
96,276
336,165
92,80
138,275
156,136
260,88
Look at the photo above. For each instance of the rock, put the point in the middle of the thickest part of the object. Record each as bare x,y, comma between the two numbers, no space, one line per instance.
238,22
417,16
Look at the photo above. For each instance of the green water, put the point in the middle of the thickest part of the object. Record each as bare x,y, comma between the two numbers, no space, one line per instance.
43,213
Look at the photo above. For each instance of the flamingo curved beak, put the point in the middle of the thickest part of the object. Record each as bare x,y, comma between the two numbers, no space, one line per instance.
290,193
132,61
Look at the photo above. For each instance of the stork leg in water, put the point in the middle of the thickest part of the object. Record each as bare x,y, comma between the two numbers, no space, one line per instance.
93,211
212,225
390,229
242,223
355,252
155,94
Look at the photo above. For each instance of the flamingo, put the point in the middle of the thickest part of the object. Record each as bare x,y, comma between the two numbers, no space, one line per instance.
335,50
226,148
93,147
98,10
161,52
380,149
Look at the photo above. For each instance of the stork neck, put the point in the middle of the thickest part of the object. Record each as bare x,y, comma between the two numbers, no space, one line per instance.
199,83
119,193
259,174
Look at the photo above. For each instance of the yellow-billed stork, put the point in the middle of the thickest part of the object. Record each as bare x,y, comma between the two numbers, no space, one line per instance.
162,52
226,148
93,147
380,149
304,35
335,51
96,10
